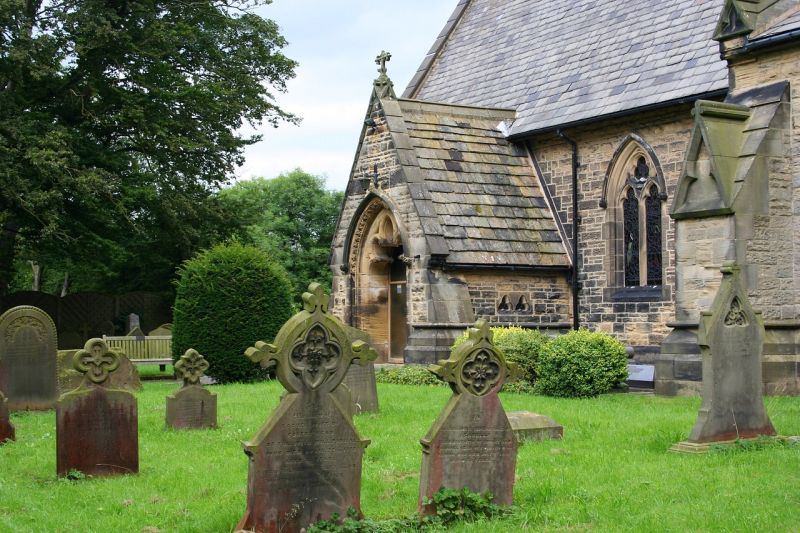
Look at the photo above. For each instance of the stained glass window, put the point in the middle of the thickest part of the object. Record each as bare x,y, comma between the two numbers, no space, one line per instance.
653,218
630,210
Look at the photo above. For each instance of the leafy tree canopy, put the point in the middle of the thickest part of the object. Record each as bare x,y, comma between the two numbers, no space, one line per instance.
292,218
118,120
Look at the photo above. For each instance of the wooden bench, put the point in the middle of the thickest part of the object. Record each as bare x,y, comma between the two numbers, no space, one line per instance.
144,350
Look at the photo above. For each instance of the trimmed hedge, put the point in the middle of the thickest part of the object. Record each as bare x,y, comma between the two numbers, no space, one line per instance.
227,298
520,346
581,363
408,375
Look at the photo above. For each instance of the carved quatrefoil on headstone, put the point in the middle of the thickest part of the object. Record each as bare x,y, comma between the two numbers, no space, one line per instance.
192,366
96,361
316,357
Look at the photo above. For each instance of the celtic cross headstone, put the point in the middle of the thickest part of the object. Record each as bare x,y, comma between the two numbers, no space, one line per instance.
731,339
96,426
6,427
471,444
191,406
305,461
28,345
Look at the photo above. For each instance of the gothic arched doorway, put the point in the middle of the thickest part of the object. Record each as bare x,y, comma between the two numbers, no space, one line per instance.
380,281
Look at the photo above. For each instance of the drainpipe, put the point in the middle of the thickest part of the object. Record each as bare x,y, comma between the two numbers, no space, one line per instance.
575,224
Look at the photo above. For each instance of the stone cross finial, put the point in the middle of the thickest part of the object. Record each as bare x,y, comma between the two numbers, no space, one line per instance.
96,361
191,366
381,60
383,85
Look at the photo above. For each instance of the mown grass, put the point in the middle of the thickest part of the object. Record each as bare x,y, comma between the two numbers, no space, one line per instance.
155,372
611,472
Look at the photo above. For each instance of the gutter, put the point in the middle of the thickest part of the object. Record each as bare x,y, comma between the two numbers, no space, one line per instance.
780,40
541,269
576,219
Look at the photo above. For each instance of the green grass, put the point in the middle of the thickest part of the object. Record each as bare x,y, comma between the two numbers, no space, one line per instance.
154,371
611,471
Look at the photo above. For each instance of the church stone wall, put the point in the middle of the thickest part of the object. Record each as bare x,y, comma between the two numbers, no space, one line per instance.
641,321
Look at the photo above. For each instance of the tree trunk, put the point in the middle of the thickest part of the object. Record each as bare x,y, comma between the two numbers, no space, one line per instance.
8,237
37,271
65,285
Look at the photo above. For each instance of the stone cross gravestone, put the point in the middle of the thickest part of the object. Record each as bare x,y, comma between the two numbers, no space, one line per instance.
124,377
471,444
731,338
360,379
6,427
28,345
305,462
96,426
192,406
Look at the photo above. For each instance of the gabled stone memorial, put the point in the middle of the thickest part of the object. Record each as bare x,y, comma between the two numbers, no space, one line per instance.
28,345
731,338
192,406
471,444
305,462
6,427
97,426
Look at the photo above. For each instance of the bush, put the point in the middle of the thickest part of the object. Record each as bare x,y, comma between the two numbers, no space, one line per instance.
408,375
581,363
228,298
520,346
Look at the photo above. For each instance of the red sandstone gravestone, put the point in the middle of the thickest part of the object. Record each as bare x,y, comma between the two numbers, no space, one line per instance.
471,444
6,427
305,462
28,358
192,406
97,427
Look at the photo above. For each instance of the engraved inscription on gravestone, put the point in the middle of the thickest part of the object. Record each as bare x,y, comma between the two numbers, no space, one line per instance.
471,444
305,461
191,406
28,358
6,427
97,426
731,338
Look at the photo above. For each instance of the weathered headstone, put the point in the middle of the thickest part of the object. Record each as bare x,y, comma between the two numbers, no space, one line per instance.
132,322
305,462
124,377
360,379
28,346
135,332
471,444
163,330
731,338
191,406
96,426
6,427
533,426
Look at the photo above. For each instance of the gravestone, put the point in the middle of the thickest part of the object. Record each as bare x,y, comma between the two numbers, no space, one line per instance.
28,344
360,379
533,426
471,444
6,427
164,330
191,406
305,462
97,426
132,322
125,377
731,339
136,332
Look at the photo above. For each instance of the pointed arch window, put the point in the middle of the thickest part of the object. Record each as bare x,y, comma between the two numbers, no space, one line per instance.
634,194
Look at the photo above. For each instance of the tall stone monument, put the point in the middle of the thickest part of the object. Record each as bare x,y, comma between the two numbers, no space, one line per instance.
28,345
192,406
471,444
360,379
731,337
96,426
305,462
6,427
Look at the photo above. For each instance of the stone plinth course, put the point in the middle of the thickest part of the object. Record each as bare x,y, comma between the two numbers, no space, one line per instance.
28,345
533,426
471,444
731,337
96,426
6,427
191,406
305,461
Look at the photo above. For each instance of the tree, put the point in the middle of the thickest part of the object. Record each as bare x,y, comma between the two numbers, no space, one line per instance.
292,217
118,120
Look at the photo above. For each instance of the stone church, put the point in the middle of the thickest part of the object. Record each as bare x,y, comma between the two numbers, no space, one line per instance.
582,164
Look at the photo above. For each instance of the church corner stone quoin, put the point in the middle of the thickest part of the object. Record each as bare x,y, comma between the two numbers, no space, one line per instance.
598,180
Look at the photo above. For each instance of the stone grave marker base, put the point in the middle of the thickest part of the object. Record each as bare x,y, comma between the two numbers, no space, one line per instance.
533,426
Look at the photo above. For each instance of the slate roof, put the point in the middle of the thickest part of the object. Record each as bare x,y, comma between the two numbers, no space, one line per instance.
481,188
560,62
781,25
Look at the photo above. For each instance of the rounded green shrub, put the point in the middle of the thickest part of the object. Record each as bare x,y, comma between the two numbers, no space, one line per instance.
520,346
227,298
581,363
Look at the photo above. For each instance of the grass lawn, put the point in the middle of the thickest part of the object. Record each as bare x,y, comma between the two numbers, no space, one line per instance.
611,471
